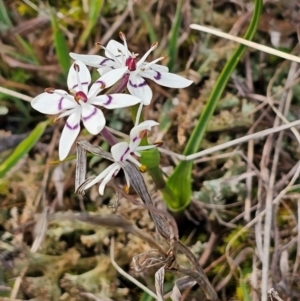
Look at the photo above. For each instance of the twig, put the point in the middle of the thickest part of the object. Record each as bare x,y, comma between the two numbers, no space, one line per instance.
228,144
123,273
246,42
200,276
261,214
15,94
284,107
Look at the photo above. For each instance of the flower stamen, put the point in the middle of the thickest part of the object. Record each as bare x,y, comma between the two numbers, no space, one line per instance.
49,90
142,60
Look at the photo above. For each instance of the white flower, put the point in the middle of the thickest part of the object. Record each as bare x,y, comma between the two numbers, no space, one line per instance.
123,151
119,57
81,104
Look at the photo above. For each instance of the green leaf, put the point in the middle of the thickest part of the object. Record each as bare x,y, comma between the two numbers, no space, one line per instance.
177,193
174,35
31,55
61,46
5,23
95,7
146,297
23,148
149,25
243,287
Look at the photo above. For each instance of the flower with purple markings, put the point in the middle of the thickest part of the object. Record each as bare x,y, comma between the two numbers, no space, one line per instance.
124,151
118,57
81,103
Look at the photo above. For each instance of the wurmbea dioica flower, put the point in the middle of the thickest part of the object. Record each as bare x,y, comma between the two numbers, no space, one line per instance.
119,57
123,151
81,103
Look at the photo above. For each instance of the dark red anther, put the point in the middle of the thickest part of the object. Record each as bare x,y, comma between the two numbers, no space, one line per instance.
131,63
80,96
158,143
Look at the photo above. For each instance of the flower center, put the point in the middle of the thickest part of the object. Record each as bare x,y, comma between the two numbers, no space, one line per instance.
80,96
131,63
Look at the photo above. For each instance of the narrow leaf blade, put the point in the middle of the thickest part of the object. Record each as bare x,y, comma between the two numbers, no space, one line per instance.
23,148
60,46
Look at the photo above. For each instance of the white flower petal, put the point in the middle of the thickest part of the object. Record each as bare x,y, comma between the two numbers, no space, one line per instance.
69,112
79,80
127,178
145,147
93,118
159,68
96,61
165,79
113,172
106,81
134,161
120,151
102,175
135,138
113,101
104,70
69,134
115,48
138,87
145,125
53,103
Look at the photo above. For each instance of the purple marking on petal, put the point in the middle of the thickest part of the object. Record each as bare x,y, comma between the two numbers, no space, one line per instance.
104,61
127,150
109,100
137,86
135,138
91,115
100,82
158,75
72,127
82,84
60,104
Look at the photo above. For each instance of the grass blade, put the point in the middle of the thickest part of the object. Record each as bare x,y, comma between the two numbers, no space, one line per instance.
243,287
149,25
174,35
178,190
95,8
23,148
5,23
61,46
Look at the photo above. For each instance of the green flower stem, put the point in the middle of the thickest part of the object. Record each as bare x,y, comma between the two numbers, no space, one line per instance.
177,193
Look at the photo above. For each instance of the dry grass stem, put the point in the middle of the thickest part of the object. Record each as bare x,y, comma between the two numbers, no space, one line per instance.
246,42
15,94
126,275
